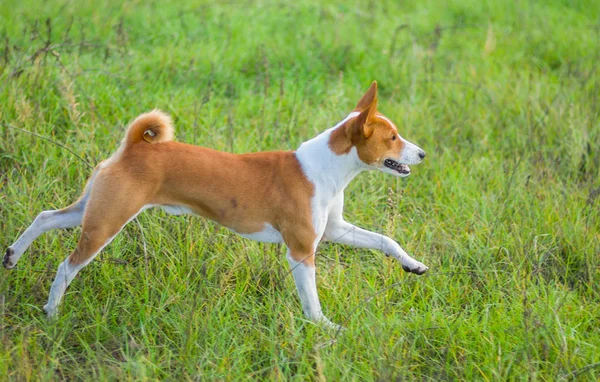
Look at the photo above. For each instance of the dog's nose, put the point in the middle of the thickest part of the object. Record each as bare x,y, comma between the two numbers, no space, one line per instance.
421,154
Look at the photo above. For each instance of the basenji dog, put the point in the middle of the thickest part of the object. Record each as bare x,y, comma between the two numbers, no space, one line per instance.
291,197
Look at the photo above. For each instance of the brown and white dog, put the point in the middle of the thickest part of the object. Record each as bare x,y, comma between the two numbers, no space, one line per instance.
287,197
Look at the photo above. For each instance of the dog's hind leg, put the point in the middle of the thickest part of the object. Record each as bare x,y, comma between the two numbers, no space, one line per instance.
111,206
68,217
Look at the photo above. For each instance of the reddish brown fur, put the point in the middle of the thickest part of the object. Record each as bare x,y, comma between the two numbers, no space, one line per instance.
241,192
153,127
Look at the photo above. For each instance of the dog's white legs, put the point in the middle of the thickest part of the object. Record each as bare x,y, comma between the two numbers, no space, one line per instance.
340,231
45,221
306,283
90,245
67,217
67,271
65,274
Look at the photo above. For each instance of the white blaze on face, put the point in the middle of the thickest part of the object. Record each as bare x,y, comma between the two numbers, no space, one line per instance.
410,153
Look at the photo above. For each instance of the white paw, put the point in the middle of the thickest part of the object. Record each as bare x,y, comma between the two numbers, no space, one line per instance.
325,323
50,311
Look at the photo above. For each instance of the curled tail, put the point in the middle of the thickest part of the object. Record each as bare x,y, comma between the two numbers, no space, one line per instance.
152,127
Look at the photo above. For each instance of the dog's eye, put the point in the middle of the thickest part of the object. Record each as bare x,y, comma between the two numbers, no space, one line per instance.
393,137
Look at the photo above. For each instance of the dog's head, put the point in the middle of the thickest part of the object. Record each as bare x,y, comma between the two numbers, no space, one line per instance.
376,139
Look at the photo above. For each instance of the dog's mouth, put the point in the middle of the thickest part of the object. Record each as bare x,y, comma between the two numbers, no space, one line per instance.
399,168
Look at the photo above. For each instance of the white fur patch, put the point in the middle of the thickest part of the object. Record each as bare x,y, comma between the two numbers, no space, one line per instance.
177,210
306,284
268,235
328,172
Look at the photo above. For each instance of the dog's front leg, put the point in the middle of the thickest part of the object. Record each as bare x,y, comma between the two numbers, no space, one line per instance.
303,269
340,231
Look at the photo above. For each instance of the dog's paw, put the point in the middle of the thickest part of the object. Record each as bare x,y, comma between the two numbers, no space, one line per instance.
328,325
7,261
50,312
418,269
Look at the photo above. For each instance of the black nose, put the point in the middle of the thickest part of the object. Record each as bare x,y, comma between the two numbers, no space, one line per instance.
421,154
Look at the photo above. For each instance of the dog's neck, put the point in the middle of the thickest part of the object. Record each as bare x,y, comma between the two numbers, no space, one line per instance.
329,172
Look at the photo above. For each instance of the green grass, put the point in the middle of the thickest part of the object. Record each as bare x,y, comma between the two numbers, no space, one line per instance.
503,96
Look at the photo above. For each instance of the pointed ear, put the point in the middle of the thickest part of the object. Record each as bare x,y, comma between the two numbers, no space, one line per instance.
369,98
367,111
363,121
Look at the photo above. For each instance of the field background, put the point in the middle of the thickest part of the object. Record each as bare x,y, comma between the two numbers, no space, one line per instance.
505,210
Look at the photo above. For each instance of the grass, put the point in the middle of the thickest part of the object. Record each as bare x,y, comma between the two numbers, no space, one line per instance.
503,95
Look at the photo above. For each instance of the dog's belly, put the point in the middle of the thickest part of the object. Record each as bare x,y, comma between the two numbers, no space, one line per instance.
268,235
177,210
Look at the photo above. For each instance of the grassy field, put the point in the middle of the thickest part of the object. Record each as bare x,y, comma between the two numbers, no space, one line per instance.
505,210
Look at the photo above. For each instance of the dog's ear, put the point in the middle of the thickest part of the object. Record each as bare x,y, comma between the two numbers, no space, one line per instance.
367,106
368,98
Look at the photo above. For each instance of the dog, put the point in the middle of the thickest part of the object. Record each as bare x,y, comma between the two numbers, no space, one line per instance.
291,197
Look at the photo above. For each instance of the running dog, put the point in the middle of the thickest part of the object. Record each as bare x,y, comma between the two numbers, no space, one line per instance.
291,197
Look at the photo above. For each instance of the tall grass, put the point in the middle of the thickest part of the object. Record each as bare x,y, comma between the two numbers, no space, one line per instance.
505,210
